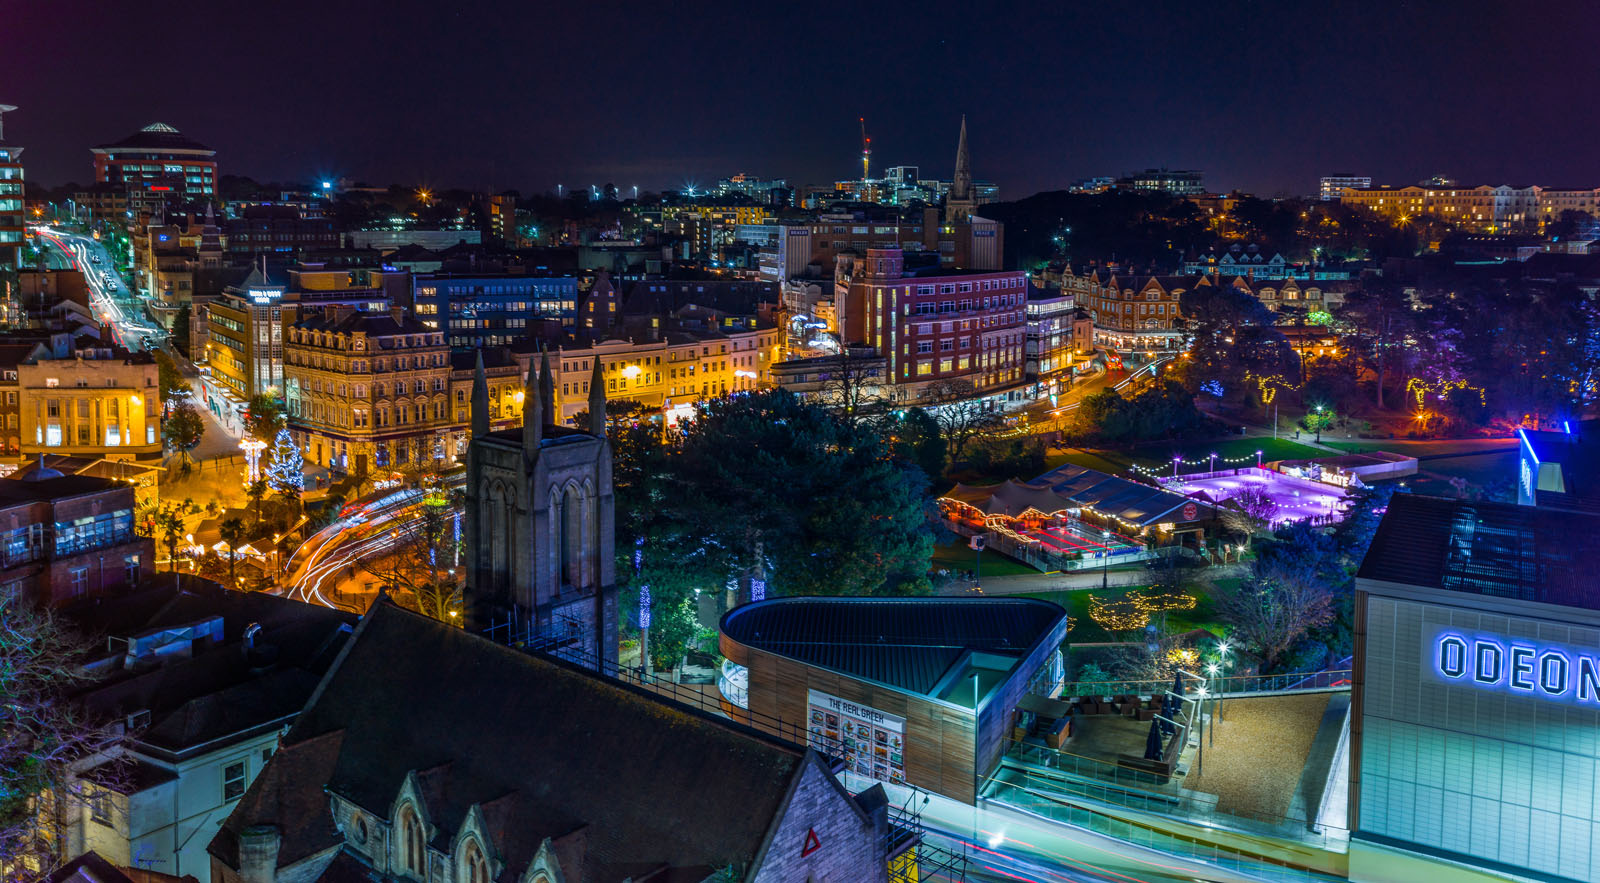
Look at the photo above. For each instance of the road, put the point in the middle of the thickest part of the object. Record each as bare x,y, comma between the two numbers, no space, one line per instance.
321,570
110,299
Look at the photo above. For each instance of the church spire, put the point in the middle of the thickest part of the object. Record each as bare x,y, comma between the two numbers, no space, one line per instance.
480,400
532,412
547,388
961,184
597,401
960,202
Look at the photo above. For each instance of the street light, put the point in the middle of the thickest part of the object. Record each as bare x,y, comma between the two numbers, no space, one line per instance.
1212,671
1105,558
1200,705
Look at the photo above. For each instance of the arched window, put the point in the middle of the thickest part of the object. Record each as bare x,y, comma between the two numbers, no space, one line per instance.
572,537
411,842
474,864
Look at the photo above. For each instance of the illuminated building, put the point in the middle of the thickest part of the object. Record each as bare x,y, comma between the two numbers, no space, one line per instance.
1479,209
90,401
1058,335
13,225
278,230
1476,700
368,390
973,244
245,349
69,538
1133,312
674,371
160,159
938,326
1331,187
136,177
493,309
1178,182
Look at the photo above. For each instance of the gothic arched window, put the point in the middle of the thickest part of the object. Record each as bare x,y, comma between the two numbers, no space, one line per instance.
411,842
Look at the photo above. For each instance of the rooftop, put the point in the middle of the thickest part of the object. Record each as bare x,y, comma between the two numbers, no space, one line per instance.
156,137
553,749
1493,549
916,645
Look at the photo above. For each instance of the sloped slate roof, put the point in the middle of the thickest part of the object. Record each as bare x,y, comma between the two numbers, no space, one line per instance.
542,747
906,643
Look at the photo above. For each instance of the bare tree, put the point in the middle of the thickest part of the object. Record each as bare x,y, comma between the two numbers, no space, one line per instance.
853,384
44,738
1275,606
960,413
1250,513
419,561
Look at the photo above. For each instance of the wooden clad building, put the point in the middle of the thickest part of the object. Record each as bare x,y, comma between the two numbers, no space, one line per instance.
918,691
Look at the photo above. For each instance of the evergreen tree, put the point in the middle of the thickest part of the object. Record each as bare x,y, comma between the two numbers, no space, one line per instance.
287,474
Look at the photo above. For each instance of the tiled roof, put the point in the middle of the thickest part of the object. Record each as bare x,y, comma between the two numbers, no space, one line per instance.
542,747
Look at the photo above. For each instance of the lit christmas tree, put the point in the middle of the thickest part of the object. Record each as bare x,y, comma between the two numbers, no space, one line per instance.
288,467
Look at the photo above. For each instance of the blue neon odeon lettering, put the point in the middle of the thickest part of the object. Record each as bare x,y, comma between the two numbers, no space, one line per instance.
1517,666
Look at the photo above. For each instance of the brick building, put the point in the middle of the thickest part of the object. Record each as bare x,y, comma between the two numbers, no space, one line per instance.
939,326
69,538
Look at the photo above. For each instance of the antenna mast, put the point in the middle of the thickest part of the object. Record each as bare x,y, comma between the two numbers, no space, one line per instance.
866,152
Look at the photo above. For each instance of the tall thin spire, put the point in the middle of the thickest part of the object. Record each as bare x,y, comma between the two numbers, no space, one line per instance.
480,400
961,184
547,387
597,401
960,202
532,414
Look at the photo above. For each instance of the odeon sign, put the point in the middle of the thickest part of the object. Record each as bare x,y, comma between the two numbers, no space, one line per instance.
1517,666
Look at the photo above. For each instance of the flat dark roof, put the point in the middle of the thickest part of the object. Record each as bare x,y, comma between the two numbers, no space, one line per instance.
905,643
1491,549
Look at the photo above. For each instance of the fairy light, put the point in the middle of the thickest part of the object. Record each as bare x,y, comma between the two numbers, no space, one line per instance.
1420,388
1133,610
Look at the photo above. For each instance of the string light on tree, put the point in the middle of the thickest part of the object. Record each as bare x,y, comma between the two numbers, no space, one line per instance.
287,471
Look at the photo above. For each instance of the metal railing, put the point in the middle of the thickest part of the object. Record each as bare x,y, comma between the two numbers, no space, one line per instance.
1148,837
1091,779
1225,685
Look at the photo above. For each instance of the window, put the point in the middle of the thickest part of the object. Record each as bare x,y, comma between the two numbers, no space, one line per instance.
130,569
474,865
233,781
100,806
411,841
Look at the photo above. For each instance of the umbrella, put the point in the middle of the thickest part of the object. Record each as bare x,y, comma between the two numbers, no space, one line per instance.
1152,742
1177,682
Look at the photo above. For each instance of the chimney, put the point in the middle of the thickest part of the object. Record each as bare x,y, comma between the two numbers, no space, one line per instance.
258,854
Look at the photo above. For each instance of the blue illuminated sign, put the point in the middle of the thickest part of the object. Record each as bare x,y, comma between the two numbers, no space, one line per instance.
1516,665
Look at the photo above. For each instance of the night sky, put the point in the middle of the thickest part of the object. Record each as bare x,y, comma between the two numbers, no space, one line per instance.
1262,96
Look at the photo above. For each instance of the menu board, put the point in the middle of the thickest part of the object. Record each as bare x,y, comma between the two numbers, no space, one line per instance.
872,741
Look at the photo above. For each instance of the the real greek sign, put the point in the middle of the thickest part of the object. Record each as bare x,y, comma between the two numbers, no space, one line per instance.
1516,665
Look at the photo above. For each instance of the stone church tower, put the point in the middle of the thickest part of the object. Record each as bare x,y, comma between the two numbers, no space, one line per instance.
539,527
962,200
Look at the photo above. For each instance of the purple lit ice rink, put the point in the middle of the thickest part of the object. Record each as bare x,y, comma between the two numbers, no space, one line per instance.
1297,499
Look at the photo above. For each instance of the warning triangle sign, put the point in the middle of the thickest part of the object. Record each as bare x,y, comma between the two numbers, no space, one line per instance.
812,843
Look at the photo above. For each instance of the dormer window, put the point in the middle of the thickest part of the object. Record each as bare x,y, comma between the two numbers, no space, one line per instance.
411,842
474,864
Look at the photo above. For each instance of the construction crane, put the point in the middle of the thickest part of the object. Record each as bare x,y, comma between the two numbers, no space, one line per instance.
866,152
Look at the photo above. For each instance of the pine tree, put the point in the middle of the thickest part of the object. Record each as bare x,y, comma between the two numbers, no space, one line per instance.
287,472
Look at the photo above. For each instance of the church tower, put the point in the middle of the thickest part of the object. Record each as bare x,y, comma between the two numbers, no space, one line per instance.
961,201
539,531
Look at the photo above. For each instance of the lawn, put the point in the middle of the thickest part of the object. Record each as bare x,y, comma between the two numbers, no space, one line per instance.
959,558
1160,455
1425,448
1084,630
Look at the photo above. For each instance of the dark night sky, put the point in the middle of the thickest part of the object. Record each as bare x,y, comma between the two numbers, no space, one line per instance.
1263,96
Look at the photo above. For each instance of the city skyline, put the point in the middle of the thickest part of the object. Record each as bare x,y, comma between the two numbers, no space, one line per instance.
1237,93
